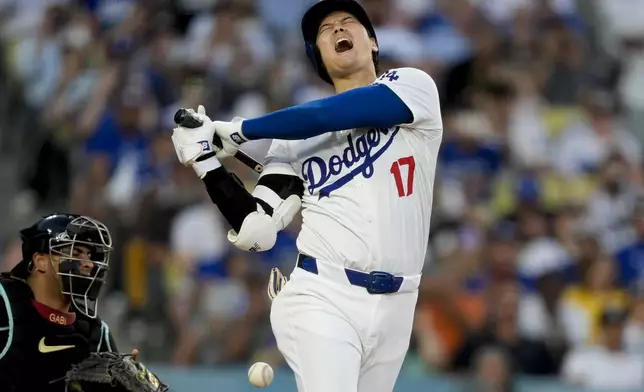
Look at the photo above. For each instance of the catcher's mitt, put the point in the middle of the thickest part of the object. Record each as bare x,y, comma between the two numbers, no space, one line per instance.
112,372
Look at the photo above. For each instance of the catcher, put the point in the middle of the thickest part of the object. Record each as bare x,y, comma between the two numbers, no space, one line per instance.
51,338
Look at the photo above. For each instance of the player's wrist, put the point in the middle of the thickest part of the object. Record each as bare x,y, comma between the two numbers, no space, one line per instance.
202,167
236,131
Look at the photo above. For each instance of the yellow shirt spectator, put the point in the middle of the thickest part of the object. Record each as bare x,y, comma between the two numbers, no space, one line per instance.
582,305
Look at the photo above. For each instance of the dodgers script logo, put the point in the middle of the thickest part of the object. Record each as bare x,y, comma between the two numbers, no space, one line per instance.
359,155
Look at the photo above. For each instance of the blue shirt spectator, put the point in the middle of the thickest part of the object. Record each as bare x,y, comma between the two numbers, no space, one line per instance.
457,159
630,263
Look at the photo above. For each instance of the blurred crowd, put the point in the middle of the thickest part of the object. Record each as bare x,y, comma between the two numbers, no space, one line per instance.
536,257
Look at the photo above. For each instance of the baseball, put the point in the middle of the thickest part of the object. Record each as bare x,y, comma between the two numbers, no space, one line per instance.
260,374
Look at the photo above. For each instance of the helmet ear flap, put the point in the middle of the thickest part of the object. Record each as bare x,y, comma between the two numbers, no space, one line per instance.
310,53
313,53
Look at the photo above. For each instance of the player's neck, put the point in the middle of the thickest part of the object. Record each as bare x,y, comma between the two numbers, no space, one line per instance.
355,80
49,297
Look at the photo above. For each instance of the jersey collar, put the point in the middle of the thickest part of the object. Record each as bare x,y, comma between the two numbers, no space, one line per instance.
54,316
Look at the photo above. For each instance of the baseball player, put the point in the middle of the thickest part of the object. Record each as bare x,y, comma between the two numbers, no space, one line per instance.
360,165
48,314
48,302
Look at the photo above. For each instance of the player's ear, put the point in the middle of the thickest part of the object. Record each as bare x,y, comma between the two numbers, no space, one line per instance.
374,45
40,263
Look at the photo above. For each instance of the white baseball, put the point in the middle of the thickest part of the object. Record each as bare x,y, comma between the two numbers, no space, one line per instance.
260,374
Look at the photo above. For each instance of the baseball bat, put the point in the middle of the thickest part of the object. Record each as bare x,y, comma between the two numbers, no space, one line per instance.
183,118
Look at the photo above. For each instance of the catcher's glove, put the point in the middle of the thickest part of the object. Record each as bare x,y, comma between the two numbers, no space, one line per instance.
112,372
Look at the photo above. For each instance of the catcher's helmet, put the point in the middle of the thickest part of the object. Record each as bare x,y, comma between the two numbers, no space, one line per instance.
311,23
58,235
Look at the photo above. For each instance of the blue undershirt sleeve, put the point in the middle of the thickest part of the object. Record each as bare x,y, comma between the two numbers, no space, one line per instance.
374,106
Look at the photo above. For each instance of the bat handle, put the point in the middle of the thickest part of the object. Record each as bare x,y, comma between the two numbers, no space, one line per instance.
185,119
249,161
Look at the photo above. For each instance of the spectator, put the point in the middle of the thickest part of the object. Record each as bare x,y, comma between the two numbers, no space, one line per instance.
606,365
622,37
493,371
119,153
634,330
192,95
541,253
214,294
538,316
251,336
560,63
468,77
449,310
610,207
630,258
586,145
528,356
527,132
582,304
39,58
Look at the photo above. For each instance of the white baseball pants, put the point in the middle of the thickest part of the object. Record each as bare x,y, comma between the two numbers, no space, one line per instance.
339,338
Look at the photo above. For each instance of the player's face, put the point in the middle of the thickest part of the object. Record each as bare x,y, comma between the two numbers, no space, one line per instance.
81,254
344,44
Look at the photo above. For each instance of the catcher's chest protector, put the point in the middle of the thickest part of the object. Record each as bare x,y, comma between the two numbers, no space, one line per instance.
38,351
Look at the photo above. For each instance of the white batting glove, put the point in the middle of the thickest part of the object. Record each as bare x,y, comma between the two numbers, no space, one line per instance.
230,134
194,146
276,282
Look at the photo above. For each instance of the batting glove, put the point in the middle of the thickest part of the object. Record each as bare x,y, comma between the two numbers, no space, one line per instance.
276,282
194,146
230,134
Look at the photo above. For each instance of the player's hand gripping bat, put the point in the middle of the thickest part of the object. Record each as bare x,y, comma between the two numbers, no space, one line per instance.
183,118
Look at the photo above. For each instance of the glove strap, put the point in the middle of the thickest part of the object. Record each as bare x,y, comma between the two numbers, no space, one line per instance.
205,156
202,167
238,137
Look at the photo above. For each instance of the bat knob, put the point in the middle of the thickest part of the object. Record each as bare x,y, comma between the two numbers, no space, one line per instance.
185,119
180,115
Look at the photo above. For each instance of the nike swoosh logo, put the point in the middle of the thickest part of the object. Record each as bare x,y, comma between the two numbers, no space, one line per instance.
43,348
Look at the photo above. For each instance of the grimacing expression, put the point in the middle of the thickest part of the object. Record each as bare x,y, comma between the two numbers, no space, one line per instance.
344,44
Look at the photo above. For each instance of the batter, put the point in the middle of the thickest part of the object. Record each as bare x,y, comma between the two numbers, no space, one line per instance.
360,165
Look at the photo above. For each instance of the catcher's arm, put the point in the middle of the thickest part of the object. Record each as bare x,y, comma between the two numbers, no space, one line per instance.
6,324
8,374
106,342
257,218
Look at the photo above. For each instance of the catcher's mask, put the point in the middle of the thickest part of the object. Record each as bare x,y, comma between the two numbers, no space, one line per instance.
83,246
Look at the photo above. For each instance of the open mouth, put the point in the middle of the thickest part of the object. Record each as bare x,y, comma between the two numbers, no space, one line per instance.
343,45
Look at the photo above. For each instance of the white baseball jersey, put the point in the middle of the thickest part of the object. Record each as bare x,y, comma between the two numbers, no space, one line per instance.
368,192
